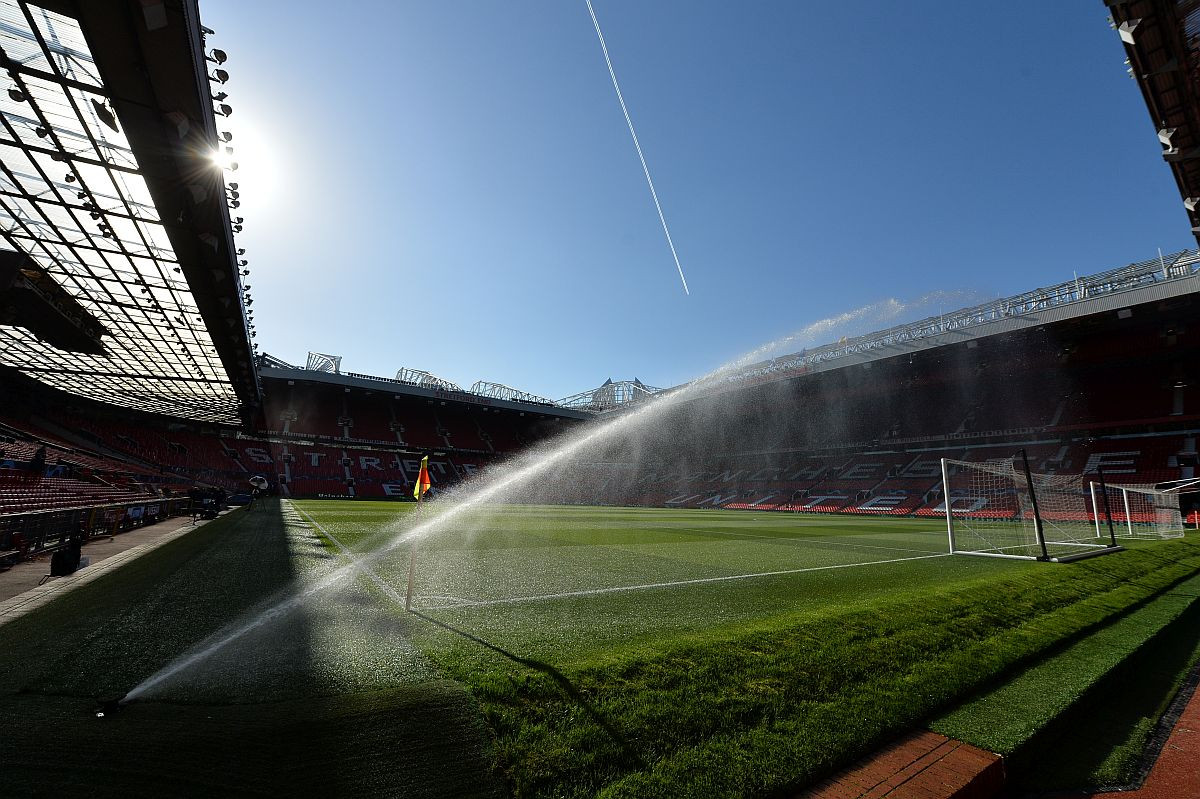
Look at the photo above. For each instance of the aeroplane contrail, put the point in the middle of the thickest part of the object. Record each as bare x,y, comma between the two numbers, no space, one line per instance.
637,146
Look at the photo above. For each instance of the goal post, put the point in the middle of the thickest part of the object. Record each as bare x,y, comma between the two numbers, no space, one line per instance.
1001,509
986,510
1143,511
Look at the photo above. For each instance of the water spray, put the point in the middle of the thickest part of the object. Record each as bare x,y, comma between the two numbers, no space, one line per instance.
522,468
110,707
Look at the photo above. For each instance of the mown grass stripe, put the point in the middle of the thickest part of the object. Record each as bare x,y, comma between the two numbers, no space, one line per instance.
676,583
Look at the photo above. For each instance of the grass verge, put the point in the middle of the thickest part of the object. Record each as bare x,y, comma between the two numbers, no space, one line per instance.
783,705
1107,739
1004,719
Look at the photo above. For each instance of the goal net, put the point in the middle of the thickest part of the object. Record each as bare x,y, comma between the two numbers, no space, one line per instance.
991,509
1141,511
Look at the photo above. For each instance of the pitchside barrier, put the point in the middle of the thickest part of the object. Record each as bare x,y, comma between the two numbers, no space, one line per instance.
1001,509
24,535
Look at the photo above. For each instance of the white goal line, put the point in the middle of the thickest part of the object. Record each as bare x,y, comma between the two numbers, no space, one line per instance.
671,584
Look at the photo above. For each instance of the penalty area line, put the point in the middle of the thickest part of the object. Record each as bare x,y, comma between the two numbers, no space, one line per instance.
673,583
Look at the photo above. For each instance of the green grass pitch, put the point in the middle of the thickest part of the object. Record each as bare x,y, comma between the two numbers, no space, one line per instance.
554,651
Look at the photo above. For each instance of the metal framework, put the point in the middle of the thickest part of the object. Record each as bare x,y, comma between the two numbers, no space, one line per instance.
419,377
414,377
320,362
74,198
610,395
1161,269
500,391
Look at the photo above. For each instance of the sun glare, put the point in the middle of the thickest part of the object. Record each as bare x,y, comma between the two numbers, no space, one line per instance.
256,159
221,159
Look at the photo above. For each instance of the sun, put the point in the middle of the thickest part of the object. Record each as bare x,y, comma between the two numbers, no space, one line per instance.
251,160
222,158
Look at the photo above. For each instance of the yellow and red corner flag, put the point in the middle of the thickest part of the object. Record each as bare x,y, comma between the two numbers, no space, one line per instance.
422,486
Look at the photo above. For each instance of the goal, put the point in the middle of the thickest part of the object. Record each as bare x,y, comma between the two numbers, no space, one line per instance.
1000,509
1141,511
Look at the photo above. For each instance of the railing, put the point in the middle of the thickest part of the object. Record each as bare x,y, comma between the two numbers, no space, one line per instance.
1175,266
500,391
280,437
24,535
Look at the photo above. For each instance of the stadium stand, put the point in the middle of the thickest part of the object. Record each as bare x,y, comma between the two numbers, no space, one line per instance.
1109,391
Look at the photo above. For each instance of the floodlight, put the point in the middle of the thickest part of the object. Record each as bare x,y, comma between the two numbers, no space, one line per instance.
218,57
220,75
105,116
17,95
1126,30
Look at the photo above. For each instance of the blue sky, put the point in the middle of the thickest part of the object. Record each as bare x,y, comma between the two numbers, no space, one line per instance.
450,185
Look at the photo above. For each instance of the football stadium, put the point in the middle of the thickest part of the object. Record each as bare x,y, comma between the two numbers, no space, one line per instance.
944,548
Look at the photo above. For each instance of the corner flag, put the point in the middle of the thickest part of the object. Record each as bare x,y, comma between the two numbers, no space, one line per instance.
422,486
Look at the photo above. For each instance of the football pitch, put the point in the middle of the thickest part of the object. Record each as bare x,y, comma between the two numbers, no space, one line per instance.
531,554
550,651
571,581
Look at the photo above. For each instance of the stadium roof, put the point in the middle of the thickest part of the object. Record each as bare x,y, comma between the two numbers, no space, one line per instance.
108,186
1118,290
1162,45
610,395
414,383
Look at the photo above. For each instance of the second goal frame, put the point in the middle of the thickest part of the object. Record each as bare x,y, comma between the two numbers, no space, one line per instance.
1002,509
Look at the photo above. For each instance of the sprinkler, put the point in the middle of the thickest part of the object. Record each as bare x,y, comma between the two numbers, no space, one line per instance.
109,707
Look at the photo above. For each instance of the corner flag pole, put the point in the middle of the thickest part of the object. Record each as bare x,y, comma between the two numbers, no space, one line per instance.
422,486
412,567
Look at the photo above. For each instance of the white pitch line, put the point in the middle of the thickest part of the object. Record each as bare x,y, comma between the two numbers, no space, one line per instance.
803,540
375,578
675,583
